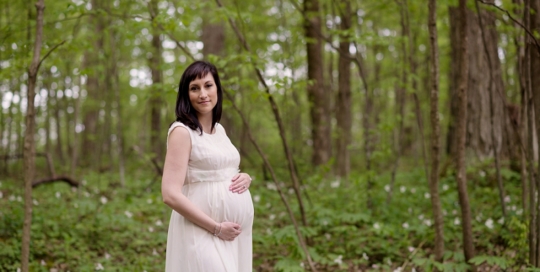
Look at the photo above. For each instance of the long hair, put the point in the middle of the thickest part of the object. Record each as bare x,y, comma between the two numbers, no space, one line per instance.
185,112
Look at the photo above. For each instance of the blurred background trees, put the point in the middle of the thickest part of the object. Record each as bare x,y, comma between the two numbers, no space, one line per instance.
364,99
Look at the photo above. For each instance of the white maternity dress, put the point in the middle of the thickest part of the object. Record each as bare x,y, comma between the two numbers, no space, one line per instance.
212,164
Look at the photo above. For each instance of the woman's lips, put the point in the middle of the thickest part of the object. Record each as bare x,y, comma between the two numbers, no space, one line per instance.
204,102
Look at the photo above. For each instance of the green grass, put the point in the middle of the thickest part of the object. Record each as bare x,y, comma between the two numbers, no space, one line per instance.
101,224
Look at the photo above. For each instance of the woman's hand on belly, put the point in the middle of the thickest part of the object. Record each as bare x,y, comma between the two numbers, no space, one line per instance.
229,231
240,183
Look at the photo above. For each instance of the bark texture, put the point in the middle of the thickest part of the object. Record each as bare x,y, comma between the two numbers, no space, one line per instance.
478,127
91,104
156,103
29,141
344,102
435,133
318,97
461,126
535,89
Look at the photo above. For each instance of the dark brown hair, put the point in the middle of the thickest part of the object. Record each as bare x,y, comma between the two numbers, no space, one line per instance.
185,113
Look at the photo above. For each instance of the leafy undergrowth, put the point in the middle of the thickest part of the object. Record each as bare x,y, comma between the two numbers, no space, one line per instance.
101,226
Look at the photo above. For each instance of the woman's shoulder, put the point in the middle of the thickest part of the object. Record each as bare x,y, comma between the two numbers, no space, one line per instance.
178,124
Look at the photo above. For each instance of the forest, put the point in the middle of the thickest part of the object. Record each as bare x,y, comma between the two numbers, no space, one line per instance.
381,135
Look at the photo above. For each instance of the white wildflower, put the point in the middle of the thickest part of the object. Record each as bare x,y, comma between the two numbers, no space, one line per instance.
454,212
12,198
35,202
507,199
405,225
257,198
272,217
328,236
103,200
159,223
445,187
403,189
19,198
482,173
150,229
269,231
302,264
387,188
375,266
399,269
489,223
43,263
411,249
513,208
149,201
325,223
338,260
376,226
427,222
83,182
74,189
444,212
86,194
271,186
413,190
365,256
519,212
334,184
107,255
99,266
421,217
128,214
501,221
154,252
456,221
389,262
427,195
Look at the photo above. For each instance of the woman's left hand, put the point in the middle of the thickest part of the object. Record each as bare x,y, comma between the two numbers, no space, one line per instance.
240,183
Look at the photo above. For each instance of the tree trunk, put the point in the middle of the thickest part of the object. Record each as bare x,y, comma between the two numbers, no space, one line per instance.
535,89
317,96
344,101
478,127
157,81
461,130
491,34
435,133
92,105
29,141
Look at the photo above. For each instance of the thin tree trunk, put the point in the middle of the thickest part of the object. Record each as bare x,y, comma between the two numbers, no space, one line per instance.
318,97
535,89
92,105
461,178
29,141
344,101
157,81
435,133
494,141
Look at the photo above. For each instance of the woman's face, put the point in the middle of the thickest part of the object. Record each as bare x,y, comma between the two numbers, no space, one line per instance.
203,94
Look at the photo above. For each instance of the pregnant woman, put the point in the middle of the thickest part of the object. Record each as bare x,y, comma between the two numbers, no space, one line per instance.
212,217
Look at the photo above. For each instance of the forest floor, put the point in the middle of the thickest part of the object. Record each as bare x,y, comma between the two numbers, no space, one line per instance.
102,226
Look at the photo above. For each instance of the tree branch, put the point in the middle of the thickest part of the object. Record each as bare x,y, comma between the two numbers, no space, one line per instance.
50,51
529,33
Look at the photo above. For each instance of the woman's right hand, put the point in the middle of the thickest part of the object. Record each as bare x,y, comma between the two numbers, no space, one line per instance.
229,231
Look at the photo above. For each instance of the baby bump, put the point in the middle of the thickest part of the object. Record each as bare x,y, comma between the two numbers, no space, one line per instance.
216,200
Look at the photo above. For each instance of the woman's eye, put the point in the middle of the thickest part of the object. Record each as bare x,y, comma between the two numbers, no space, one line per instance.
209,85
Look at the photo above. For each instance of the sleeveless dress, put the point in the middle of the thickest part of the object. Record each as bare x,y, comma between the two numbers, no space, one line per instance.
212,164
